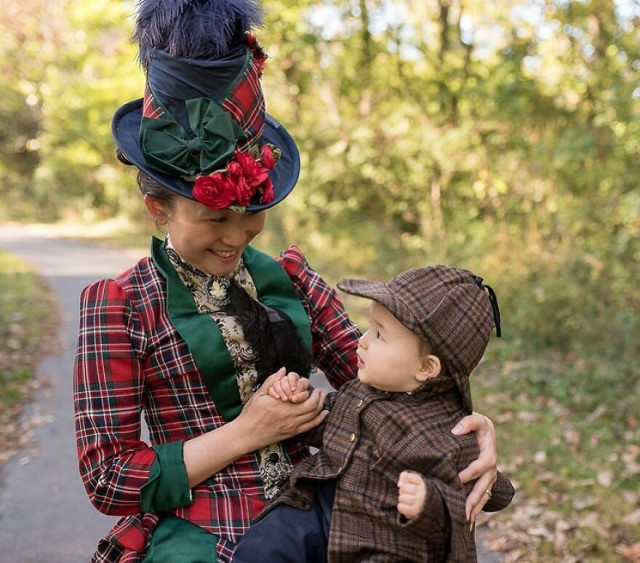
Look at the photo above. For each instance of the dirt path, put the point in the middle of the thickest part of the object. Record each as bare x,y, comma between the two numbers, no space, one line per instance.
45,515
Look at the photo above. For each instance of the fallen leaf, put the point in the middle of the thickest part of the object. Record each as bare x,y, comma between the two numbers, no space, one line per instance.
633,518
572,436
606,477
631,553
527,416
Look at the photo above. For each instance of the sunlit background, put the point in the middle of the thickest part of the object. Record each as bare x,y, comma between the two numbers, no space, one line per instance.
499,136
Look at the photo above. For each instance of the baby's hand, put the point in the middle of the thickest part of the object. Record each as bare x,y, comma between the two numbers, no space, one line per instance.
412,494
290,387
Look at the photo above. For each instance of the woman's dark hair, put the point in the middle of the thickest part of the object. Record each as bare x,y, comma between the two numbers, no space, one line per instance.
148,186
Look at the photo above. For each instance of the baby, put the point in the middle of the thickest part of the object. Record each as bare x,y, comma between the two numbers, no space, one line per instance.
384,485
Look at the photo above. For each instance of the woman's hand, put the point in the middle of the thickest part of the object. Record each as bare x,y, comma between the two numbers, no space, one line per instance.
264,420
268,419
485,468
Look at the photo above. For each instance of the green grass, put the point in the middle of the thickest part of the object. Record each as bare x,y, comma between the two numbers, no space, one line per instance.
27,322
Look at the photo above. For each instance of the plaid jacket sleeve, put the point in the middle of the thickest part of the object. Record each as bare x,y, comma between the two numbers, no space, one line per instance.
335,337
108,385
501,494
434,522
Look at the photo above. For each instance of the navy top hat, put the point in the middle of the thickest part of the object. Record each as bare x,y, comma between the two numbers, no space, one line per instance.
201,129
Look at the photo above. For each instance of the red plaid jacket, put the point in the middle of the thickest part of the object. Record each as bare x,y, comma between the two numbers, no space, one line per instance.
131,359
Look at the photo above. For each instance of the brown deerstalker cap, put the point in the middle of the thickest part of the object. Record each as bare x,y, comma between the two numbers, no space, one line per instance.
446,306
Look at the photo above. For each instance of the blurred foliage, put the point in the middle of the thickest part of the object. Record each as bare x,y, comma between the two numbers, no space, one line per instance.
67,66
503,138
498,136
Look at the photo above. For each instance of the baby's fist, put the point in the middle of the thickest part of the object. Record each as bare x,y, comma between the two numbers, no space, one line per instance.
412,494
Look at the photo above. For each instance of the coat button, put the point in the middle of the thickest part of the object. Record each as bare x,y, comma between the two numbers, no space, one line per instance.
352,437
359,403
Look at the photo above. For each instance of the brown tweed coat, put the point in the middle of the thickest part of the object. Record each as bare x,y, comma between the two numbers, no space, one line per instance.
369,437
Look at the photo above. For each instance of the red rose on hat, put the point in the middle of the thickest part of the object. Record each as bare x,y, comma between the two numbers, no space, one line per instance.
267,191
254,172
216,191
267,157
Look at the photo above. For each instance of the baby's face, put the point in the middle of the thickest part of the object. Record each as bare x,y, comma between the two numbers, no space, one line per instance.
389,354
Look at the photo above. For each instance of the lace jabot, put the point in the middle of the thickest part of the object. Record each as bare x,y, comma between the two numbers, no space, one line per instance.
210,292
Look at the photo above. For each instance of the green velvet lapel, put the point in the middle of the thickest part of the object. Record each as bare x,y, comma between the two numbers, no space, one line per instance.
202,334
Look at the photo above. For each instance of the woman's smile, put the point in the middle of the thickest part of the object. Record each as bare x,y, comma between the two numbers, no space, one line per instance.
225,254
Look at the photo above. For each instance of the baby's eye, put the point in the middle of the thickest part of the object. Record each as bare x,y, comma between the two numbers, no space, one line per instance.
378,335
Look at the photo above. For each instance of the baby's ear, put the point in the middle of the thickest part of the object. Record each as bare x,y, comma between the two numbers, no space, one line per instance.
430,368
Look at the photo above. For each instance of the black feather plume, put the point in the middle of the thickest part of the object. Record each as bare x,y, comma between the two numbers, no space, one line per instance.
198,29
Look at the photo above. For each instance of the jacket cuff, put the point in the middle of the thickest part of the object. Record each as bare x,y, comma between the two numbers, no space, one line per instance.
433,523
501,494
168,484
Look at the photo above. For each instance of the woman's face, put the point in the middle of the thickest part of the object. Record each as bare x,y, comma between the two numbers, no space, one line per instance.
211,240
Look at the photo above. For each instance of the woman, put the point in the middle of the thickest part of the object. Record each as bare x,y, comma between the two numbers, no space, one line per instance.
187,335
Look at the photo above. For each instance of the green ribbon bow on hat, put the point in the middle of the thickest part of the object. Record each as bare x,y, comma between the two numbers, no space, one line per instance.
168,148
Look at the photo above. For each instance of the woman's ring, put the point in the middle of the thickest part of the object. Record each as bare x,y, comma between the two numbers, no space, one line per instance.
488,493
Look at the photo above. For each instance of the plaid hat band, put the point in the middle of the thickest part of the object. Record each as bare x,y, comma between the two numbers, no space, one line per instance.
199,134
175,79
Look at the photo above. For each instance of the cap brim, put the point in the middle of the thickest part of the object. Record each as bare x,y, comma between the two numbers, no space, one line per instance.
376,291
125,128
